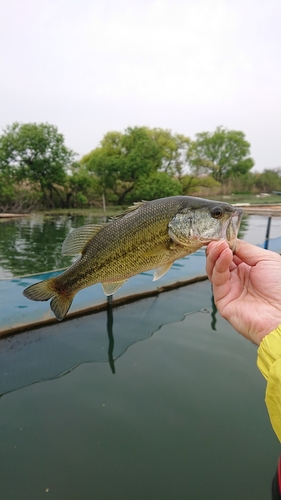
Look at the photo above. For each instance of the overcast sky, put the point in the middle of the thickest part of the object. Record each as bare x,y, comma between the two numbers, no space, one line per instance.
92,66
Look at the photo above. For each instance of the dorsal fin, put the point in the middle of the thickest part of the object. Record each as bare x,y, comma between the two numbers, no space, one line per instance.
77,239
134,207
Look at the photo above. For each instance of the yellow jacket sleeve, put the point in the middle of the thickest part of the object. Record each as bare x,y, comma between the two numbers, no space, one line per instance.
269,363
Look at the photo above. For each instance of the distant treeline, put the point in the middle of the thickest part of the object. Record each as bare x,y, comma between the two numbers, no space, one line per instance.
37,170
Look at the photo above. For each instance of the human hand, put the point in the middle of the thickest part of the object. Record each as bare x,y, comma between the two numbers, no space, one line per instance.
246,287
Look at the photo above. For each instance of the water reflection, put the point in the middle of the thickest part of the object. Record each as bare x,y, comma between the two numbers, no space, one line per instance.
110,314
213,314
110,334
178,405
53,351
32,245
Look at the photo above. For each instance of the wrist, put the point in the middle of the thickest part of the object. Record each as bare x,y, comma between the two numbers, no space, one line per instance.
271,328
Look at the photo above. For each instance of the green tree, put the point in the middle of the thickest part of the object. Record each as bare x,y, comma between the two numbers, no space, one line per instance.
173,150
269,180
244,184
122,159
7,192
83,187
157,185
35,153
223,153
191,184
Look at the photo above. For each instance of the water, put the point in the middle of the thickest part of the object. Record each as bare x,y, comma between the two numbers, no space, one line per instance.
162,401
160,398
32,245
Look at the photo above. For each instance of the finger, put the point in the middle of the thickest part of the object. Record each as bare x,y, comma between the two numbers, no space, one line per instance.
213,252
236,260
221,276
221,270
233,266
251,254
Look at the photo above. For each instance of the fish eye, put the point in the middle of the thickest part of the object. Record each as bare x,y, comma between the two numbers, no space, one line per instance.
216,212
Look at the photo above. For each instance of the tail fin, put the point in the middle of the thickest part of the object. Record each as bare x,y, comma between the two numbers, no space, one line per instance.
45,290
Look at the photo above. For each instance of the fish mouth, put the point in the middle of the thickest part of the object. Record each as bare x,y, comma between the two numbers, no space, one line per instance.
232,227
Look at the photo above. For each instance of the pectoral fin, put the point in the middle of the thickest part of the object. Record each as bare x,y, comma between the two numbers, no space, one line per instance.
111,288
162,248
160,271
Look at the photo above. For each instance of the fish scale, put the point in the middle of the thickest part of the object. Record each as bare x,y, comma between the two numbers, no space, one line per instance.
149,235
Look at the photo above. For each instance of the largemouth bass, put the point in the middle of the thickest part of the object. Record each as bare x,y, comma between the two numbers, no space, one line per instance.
149,235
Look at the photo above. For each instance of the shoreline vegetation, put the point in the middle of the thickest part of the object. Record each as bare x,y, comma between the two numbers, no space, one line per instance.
263,203
39,174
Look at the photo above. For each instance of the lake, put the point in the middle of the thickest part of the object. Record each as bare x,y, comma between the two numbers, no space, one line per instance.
159,398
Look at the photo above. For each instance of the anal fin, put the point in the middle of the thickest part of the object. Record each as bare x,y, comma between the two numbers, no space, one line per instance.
111,288
160,271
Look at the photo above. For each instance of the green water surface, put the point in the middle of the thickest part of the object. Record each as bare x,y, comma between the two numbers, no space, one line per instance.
164,401
158,399
31,245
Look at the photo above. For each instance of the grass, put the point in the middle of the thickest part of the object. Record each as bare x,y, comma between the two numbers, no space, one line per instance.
248,198
98,212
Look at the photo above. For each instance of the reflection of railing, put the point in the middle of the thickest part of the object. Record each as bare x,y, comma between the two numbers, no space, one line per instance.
267,234
109,313
54,351
110,334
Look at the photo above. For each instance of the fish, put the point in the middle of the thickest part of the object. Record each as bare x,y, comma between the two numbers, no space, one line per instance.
149,235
